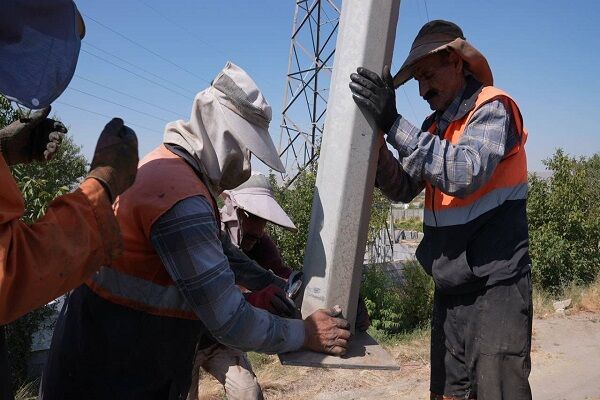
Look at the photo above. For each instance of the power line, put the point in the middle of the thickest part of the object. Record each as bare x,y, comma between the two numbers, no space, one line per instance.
126,94
182,27
87,43
117,104
426,10
136,74
145,48
409,103
106,116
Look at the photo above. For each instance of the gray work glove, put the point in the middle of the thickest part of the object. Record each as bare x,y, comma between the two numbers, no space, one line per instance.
116,158
376,96
31,139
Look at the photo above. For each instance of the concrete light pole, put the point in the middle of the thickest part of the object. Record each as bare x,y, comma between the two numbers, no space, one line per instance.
345,178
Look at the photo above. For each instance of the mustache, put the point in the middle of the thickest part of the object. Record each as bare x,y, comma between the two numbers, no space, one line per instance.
430,94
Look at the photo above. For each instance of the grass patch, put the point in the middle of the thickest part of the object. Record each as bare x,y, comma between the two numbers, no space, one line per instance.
259,360
27,391
411,224
410,347
583,298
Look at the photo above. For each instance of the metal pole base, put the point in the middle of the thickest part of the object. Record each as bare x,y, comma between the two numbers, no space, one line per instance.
363,353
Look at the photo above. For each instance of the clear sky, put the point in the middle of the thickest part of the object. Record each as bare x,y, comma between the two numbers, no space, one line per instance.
545,54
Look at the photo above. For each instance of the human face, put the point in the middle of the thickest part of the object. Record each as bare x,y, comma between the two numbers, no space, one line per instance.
440,78
252,229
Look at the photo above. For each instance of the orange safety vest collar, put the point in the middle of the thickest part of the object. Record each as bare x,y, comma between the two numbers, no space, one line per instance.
508,182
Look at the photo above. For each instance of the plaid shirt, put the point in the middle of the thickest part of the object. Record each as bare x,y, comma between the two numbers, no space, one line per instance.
202,261
456,169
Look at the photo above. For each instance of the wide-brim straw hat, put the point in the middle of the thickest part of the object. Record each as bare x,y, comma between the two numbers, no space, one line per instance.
440,35
256,197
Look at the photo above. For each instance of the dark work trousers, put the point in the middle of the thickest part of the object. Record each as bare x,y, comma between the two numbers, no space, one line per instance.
101,350
5,383
481,342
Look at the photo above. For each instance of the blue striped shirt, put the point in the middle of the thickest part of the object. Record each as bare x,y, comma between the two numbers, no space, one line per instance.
200,259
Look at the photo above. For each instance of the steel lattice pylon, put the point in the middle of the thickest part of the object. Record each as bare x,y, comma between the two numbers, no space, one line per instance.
306,90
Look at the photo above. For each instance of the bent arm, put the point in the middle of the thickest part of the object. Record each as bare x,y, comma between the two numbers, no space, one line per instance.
393,181
44,260
248,273
188,242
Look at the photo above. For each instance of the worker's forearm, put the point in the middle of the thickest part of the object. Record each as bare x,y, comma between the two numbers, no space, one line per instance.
391,179
236,323
455,168
188,242
42,261
247,272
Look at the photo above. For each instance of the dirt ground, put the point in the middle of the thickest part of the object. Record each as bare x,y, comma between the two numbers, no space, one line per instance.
565,357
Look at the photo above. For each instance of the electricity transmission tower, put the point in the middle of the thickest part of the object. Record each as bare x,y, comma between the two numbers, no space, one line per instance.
310,65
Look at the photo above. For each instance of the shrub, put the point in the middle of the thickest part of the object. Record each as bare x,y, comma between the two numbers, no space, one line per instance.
564,222
411,224
397,307
296,200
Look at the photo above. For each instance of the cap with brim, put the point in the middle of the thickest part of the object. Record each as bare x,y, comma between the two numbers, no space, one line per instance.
39,48
439,35
261,203
247,113
256,197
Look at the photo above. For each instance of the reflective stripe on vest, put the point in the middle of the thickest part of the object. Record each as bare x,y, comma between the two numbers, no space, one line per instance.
140,294
464,214
508,182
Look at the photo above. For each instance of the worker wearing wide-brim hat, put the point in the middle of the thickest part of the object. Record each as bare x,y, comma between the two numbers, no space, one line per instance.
247,210
469,156
131,330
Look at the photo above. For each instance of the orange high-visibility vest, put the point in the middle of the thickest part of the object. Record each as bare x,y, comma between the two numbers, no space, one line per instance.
508,182
138,279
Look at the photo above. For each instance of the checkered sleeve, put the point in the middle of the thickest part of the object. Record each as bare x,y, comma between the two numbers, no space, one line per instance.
393,181
462,168
189,244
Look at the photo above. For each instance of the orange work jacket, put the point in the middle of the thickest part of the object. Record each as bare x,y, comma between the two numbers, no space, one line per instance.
482,238
42,261
138,279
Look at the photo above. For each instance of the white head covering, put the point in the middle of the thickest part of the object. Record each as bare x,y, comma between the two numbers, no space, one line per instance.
229,120
256,197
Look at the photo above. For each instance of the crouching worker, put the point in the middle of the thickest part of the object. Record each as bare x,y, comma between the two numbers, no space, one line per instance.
130,332
247,210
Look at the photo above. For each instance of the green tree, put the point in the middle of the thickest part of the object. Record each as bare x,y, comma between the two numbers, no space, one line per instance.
564,222
296,200
40,183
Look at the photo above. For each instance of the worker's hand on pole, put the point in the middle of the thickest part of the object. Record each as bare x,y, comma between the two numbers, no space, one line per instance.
375,95
325,332
274,300
116,158
35,138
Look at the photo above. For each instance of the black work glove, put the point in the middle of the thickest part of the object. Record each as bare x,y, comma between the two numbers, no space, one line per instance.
116,158
31,139
375,96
